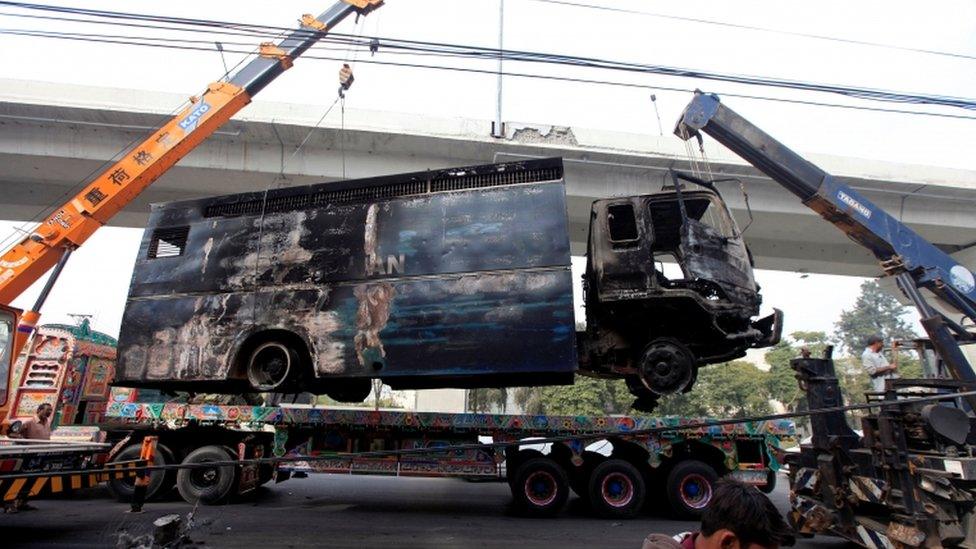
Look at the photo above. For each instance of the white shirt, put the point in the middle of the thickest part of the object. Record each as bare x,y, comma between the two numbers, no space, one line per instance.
872,361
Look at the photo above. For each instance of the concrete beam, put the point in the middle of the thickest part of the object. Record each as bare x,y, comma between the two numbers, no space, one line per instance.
52,135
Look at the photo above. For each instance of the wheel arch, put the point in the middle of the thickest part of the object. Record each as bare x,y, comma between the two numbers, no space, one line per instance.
254,337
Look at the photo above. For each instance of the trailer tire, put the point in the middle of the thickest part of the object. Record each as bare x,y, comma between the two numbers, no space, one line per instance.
123,489
512,464
771,477
617,489
209,486
540,487
690,486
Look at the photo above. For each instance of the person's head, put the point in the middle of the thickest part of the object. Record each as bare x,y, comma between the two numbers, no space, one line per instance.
742,517
875,343
44,411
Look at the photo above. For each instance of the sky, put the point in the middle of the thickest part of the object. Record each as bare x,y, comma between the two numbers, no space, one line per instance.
97,276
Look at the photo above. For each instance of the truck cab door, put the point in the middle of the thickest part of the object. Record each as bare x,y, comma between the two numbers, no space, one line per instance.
620,251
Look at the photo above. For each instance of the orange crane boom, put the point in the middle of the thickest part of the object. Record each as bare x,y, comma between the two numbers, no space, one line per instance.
74,222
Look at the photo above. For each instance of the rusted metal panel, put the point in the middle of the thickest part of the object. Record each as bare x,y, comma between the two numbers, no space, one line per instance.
451,278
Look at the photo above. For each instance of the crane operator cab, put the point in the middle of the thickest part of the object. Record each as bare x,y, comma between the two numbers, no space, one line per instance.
657,329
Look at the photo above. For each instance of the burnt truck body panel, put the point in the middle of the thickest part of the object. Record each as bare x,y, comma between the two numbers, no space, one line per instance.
449,278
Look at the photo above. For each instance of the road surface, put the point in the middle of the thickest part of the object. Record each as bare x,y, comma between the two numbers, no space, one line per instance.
345,511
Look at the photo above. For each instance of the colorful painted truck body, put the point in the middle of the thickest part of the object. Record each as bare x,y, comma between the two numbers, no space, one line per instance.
683,460
68,367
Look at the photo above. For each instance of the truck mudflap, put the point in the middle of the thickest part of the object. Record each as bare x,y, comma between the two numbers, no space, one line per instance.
771,328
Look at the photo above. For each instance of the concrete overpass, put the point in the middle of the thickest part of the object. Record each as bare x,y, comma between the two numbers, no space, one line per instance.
52,135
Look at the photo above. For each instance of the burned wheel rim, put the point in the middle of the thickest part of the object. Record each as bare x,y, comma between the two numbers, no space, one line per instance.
695,491
666,367
270,366
617,489
541,488
204,477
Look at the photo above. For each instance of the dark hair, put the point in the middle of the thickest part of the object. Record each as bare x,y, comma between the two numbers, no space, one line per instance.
874,339
746,512
43,405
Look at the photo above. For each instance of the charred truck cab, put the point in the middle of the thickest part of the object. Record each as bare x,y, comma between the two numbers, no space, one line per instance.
448,278
657,329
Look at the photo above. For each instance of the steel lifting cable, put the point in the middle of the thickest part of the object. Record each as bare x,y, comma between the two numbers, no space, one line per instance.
593,436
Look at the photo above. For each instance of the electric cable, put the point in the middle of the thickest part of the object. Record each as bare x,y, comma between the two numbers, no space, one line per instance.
759,29
851,91
207,45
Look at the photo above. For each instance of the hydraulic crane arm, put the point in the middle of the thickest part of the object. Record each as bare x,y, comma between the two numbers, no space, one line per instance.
71,224
902,252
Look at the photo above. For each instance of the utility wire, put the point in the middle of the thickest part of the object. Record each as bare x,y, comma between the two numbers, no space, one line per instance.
759,29
207,45
514,55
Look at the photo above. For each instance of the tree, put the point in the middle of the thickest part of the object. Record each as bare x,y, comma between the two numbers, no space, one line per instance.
486,400
587,396
781,379
732,389
874,312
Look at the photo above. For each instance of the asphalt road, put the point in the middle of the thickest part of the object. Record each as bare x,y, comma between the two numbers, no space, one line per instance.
345,511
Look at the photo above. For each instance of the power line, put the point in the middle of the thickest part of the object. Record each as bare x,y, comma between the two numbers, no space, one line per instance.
207,46
537,57
760,29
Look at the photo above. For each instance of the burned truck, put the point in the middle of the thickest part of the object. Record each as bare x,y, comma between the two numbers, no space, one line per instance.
449,278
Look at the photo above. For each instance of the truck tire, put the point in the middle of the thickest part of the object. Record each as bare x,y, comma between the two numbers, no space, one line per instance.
272,366
771,477
540,487
122,489
579,479
512,464
690,486
207,485
617,489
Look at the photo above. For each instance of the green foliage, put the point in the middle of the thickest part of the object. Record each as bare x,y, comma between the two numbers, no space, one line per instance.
587,396
874,312
781,379
487,400
733,389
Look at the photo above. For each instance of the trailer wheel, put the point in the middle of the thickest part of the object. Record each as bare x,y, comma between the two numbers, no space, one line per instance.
207,485
691,484
122,489
770,482
271,366
540,487
617,489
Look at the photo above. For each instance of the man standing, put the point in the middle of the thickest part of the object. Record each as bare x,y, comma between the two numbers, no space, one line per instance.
39,426
876,365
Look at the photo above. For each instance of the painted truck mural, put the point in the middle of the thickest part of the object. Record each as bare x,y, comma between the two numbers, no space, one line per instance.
69,367
447,278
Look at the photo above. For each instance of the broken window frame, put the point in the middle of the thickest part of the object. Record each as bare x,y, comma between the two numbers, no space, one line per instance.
634,228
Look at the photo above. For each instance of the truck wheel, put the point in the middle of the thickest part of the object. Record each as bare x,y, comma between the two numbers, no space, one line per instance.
690,487
159,481
579,480
512,464
540,488
770,482
207,485
271,366
617,489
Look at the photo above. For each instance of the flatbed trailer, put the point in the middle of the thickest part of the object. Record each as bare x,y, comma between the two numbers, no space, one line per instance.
614,477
